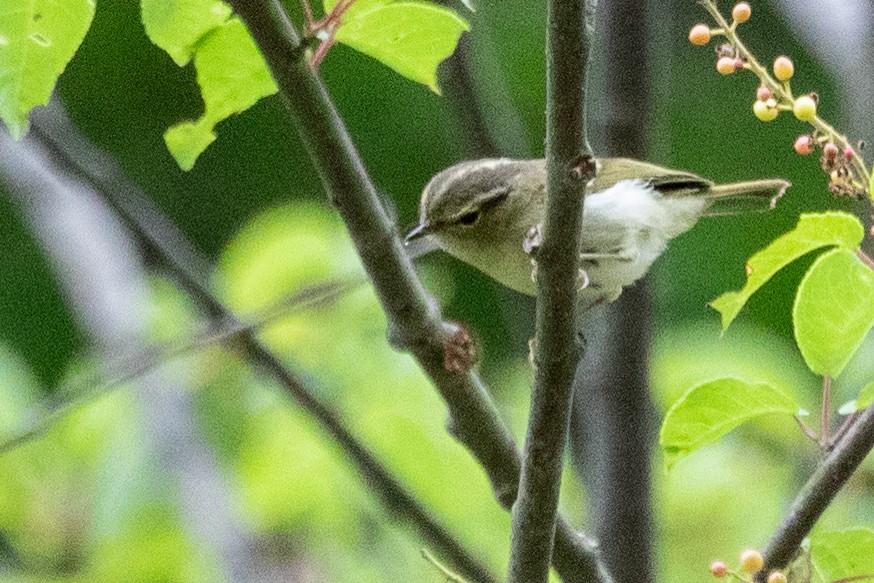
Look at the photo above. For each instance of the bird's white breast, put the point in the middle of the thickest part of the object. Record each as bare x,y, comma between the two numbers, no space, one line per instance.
634,221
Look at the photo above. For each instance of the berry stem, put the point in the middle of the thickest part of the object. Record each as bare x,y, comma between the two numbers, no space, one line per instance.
784,94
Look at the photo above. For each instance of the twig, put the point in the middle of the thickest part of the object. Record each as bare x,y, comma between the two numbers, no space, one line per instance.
806,430
415,323
782,90
163,240
450,576
816,495
842,430
825,415
570,165
87,388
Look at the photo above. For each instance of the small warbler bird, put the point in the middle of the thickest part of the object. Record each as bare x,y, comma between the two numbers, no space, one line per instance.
482,211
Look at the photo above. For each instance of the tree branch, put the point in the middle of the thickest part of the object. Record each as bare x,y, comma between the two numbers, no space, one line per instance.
570,165
614,420
414,319
818,493
74,154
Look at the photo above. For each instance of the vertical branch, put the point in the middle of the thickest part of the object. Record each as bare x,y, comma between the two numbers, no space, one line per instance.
570,165
415,322
72,154
614,425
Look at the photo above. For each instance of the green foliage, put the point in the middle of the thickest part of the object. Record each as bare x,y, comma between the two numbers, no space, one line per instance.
814,231
711,410
834,310
863,401
343,344
410,37
178,25
37,40
232,77
842,554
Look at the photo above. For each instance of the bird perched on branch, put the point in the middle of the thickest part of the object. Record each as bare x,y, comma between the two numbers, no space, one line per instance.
482,212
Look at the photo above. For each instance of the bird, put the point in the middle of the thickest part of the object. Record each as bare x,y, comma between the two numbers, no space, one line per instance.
482,212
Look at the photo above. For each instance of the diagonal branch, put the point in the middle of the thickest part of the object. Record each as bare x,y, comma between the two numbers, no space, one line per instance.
414,319
818,493
73,154
570,165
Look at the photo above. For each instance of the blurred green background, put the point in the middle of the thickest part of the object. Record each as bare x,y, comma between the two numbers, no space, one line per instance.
86,503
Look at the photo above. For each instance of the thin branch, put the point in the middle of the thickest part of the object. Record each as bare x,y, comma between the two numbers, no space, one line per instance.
818,492
415,323
72,151
825,415
570,165
449,575
92,385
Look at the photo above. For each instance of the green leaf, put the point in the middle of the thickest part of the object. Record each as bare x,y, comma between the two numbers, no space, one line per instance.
358,7
178,25
813,231
711,410
187,140
834,310
37,40
410,37
863,401
841,554
232,76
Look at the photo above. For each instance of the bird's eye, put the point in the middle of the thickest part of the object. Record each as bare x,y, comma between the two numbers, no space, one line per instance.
469,219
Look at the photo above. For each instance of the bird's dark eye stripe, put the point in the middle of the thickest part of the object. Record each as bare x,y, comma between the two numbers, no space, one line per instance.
469,218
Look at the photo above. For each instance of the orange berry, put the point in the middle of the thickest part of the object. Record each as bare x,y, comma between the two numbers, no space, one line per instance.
783,68
765,111
718,569
751,561
777,577
699,35
763,93
804,108
741,12
726,66
804,144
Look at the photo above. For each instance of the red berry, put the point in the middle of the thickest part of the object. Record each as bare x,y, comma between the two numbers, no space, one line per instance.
751,561
699,35
830,151
763,93
849,153
725,65
718,569
741,12
804,144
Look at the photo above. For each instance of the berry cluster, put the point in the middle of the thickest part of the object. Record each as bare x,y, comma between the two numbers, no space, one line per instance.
847,172
751,562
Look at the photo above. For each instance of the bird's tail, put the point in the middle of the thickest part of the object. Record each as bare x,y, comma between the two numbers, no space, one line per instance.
740,197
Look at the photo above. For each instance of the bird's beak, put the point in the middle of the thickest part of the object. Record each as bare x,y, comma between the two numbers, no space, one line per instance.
418,232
